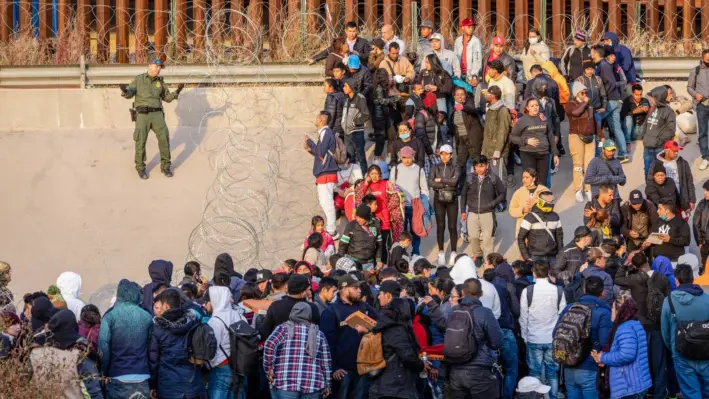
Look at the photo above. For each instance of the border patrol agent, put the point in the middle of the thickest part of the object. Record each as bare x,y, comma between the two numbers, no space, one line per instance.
150,91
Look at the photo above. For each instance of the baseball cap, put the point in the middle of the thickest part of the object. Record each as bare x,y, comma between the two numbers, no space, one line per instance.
263,275
499,40
427,24
673,145
609,145
446,148
348,280
532,384
437,36
406,152
364,211
467,22
390,287
353,62
636,197
157,62
582,231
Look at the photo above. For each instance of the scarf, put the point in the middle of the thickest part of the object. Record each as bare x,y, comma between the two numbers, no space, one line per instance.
302,313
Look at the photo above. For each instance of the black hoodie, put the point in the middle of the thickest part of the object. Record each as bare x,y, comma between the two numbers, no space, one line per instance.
678,230
160,272
225,265
660,122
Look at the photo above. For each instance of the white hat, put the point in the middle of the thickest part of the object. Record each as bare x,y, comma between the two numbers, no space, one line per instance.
532,384
446,148
437,36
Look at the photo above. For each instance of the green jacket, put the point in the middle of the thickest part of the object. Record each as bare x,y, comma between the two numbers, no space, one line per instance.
149,92
498,124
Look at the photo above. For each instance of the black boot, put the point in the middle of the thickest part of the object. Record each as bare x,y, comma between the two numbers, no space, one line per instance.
167,172
143,174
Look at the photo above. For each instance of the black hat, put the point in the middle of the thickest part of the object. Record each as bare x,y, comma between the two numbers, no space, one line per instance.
364,211
636,197
379,43
391,287
581,232
706,185
659,167
348,280
263,275
589,64
297,284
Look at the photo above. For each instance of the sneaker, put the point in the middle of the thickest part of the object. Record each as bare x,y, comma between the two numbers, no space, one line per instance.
589,197
704,164
510,180
466,239
562,151
579,196
441,259
518,161
451,260
623,160
553,171
336,236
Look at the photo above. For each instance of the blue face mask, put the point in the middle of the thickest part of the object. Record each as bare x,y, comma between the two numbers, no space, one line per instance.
405,136
664,218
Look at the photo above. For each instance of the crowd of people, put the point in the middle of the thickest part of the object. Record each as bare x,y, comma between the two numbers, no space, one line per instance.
613,312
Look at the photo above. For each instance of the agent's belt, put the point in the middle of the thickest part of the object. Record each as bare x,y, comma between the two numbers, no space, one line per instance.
147,110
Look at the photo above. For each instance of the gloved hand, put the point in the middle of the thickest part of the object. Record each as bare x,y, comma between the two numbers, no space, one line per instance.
179,88
123,88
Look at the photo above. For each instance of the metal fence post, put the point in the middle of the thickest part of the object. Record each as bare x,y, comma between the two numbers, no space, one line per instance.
82,71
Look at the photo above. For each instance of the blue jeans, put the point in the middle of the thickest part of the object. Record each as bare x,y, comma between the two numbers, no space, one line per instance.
279,394
355,149
632,131
219,383
612,115
703,129
551,260
693,377
649,155
580,383
540,361
599,120
640,395
508,356
416,240
352,386
120,390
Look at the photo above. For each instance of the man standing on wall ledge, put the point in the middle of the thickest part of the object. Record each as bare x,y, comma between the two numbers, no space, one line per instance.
149,91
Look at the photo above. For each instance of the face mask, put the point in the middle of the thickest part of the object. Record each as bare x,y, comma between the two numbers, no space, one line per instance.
544,206
664,218
533,40
404,136
306,275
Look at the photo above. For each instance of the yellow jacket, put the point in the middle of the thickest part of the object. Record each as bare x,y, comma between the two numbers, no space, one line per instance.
564,93
518,202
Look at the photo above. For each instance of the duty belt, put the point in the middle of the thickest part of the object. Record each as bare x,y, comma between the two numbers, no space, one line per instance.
147,110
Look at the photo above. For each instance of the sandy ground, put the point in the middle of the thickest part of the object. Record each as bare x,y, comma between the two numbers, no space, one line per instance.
73,201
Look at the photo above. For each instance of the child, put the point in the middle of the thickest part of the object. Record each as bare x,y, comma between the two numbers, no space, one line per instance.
406,139
398,250
402,266
317,225
414,103
89,325
312,253
288,266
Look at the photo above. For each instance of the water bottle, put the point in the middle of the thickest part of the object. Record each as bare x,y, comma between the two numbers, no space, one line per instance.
423,374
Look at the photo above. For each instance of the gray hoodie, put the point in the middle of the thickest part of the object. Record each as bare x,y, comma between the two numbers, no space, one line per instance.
660,122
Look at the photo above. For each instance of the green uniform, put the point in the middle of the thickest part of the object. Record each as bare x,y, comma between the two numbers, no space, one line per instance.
149,92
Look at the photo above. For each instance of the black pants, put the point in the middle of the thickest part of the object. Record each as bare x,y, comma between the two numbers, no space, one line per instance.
514,149
451,212
385,245
704,252
473,384
538,162
380,138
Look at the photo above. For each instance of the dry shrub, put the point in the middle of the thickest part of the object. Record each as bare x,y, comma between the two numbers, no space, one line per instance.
25,48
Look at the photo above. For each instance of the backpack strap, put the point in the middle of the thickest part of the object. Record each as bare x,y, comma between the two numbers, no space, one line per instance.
530,295
560,294
220,347
672,307
543,224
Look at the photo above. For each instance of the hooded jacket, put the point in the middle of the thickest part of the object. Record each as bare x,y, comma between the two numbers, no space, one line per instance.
534,239
170,369
564,92
700,222
663,265
224,314
224,264
568,263
160,272
595,90
528,127
601,325
464,269
637,282
400,349
333,105
661,122
690,303
573,59
685,179
482,196
498,124
602,171
426,130
449,60
70,285
124,336
624,57
278,313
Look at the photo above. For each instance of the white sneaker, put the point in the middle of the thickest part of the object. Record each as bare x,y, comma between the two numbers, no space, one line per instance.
335,236
553,171
589,197
451,260
518,161
704,164
441,259
579,196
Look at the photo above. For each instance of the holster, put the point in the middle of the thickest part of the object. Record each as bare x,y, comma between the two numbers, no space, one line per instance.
133,114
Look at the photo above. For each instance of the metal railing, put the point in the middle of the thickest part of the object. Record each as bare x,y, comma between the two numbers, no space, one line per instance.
106,75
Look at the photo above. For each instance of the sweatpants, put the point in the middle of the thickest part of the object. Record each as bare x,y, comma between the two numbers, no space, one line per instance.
538,162
449,211
481,232
326,197
581,155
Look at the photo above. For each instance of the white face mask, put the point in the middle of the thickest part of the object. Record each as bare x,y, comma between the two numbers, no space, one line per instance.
533,40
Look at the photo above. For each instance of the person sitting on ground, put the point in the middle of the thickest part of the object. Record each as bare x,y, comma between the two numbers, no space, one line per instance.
660,186
570,259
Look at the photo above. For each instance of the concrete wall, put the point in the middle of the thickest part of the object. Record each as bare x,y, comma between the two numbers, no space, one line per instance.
104,108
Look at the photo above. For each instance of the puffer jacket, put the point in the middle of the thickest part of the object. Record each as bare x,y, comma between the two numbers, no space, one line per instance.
687,193
448,173
170,370
600,327
568,263
581,120
637,282
628,361
700,222
564,92
534,240
333,105
482,197
400,349
498,124
426,130
380,115
355,113
661,121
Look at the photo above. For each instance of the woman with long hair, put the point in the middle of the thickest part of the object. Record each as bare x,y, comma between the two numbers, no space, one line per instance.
436,80
526,196
535,52
444,181
382,103
534,135
337,54
312,252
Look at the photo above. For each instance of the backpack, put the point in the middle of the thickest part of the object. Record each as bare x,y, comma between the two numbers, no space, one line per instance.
691,337
340,153
370,355
530,295
459,344
655,299
571,341
243,347
200,344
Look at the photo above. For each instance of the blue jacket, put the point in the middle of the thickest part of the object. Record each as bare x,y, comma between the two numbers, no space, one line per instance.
606,72
344,341
170,370
663,265
125,334
623,56
323,151
487,334
509,303
608,291
690,303
601,171
628,361
601,325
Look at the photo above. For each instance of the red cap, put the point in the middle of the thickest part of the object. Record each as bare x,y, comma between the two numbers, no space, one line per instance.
498,40
467,22
429,99
673,145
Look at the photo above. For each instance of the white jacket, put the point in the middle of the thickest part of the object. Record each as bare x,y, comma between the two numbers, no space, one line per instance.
508,88
223,310
540,56
464,269
69,283
473,55
537,323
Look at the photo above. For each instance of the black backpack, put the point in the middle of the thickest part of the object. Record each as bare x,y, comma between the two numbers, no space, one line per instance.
571,341
459,344
200,344
655,299
530,295
691,337
243,347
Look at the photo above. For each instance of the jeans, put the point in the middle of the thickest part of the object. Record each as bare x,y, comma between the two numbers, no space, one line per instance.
693,377
631,130
354,143
508,357
326,196
540,360
279,394
658,358
580,383
219,383
551,260
352,386
703,129
612,115
473,383
416,240
649,155
120,390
